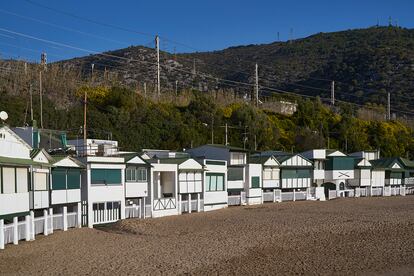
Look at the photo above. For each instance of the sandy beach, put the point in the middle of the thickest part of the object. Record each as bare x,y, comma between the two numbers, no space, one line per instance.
346,236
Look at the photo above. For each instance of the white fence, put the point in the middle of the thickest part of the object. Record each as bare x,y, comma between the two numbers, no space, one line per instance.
234,200
28,228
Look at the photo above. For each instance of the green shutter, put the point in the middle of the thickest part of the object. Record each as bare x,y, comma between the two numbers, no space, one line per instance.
235,174
397,175
98,176
255,181
74,179
59,179
113,176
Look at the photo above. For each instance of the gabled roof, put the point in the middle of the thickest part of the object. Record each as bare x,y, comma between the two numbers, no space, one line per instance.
333,152
360,162
36,152
59,158
16,136
129,158
388,163
281,156
263,159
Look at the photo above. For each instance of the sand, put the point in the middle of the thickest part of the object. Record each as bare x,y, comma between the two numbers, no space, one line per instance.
373,236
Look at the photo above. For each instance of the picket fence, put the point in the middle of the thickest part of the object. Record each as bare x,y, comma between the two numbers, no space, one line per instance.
31,226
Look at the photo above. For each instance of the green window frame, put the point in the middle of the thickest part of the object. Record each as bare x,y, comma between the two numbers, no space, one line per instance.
255,181
106,177
235,173
215,182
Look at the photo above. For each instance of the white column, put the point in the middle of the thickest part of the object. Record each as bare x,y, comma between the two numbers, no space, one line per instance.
51,220
65,218
281,197
27,227
294,195
145,209
45,230
79,215
189,203
140,208
179,204
274,195
32,226
198,202
1,234
15,231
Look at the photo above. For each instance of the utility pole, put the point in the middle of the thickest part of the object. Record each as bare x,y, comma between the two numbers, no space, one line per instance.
145,89
226,136
278,36
92,67
157,46
43,61
333,93
256,85
194,66
389,106
31,103
84,122
41,99
176,88
245,137
212,129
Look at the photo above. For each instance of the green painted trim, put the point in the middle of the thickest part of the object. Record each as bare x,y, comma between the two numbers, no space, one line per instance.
217,163
1,180
253,196
15,180
11,216
217,203
255,181
235,190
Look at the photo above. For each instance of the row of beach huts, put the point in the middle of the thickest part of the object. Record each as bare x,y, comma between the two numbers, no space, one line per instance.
97,183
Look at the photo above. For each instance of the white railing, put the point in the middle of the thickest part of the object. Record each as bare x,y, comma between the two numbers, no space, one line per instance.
28,228
164,203
133,211
268,197
376,192
234,200
332,194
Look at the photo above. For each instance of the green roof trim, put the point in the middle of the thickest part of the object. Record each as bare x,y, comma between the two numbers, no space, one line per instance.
18,161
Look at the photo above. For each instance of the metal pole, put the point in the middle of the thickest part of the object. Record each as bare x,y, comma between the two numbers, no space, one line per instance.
84,125
226,136
31,102
257,84
157,45
333,92
389,106
41,99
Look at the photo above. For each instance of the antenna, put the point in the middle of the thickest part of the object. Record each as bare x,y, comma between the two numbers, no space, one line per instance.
3,116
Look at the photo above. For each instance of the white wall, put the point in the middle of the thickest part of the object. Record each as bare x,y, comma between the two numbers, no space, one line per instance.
215,199
11,146
14,203
338,174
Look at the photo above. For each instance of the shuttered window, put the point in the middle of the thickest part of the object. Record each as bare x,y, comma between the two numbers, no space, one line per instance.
40,181
255,182
73,179
58,179
106,176
235,174
21,180
9,184
134,174
298,173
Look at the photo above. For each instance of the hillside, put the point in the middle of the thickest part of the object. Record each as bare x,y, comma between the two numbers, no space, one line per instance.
365,64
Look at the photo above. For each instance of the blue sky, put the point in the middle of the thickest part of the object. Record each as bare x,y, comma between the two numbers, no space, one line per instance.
187,25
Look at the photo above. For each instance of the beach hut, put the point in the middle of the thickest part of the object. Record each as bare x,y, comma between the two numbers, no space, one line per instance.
394,170
137,183
103,181
237,168
65,194
15,165
40,181
215,184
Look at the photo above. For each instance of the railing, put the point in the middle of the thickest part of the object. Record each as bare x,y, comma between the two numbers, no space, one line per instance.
28,228
133,211
267,196
332,194
164,204
234,200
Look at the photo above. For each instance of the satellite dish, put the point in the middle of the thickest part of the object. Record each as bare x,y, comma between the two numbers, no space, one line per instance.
4,115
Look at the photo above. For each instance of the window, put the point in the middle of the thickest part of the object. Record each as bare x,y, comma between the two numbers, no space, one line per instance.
270,173
40,181
237,158
21,180
58,179
255,182
214,182
235,174
298,173
106,176
134,174
73,179
9,184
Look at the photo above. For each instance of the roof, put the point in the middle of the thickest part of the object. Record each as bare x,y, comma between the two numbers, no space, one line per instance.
407,163
57,158
18,161
16,136
230,148
386,163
